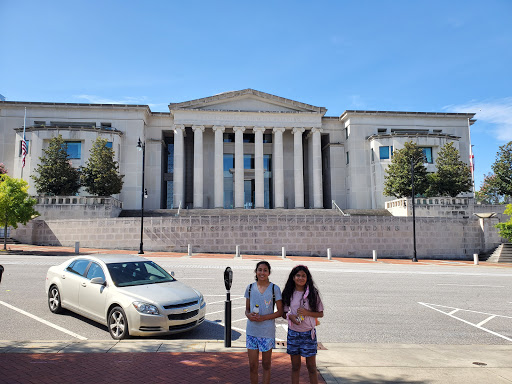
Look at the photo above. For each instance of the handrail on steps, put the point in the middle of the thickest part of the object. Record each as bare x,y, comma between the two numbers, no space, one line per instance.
335,206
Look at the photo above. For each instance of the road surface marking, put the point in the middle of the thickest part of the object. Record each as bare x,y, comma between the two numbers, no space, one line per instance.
492,315
473,285
235,328
43,321
218,302
485,321
452,312
211,313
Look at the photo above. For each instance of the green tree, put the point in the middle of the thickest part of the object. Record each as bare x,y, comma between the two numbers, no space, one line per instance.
16,206
56,174
488,193
397,181
100,176
502,168
505,229
453,176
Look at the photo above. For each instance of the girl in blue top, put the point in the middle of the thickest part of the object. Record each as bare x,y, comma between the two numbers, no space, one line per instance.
261,329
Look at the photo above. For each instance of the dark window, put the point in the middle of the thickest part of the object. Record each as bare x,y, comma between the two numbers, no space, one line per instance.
95,271
348,158
248,137
106,126
228,137
248,161
267,138
427,151
109,144
74,149
78,266
39,124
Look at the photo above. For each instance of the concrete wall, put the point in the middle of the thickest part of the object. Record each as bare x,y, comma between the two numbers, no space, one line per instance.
266,233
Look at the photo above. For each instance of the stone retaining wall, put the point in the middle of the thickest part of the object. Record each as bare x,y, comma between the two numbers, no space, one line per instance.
266,233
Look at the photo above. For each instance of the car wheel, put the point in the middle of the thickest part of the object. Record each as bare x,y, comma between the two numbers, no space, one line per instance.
117,324
54,299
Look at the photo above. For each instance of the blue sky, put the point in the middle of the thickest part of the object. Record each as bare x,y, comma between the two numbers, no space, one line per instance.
441,56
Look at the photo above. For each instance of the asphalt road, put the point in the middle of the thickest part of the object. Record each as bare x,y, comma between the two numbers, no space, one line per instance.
364,303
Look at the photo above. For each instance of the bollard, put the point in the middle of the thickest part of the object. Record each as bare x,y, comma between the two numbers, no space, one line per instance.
1,271
77,247
228,280
283,253
329,254
189,250
237,252
374,255
475,258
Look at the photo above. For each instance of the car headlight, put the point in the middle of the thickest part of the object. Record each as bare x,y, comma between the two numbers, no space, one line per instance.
202,303
145,308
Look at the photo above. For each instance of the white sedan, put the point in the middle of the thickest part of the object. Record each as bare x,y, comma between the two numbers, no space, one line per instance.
129,294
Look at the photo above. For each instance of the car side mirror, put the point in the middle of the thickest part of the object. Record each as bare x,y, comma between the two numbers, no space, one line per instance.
98,280
172,273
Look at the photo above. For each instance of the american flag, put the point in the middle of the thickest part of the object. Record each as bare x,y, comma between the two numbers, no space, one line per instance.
24,151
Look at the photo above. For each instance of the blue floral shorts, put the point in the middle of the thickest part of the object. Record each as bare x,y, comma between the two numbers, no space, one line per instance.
301,343
263,344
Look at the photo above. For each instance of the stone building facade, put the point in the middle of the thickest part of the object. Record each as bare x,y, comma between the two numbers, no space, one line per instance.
240,149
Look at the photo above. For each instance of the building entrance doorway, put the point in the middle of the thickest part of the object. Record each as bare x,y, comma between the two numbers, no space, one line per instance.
249,199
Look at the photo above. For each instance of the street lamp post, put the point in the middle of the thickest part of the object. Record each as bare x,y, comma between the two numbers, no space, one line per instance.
143,194
414,259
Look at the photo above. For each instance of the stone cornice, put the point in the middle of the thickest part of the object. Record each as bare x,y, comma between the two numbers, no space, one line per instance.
412,135
211,100
405,114
80,129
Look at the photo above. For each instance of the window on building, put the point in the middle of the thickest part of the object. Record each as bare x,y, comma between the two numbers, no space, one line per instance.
248,137
348,157
109,144
382,130
228,137
248,161
73,124
229,163
39,124
21,149
106,126
373,154
267,138
386,152
427,151
74,149
346,133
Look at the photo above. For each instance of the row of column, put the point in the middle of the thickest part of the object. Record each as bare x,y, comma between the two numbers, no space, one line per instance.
278,159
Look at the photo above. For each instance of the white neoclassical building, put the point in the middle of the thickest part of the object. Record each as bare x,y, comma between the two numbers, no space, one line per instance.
240,149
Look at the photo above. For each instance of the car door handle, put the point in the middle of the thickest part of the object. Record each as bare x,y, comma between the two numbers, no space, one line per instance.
63,276
84,285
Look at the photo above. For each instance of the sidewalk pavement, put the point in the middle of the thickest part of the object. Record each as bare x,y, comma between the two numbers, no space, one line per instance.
199,361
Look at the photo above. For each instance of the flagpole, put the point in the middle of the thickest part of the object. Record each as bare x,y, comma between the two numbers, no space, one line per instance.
22,143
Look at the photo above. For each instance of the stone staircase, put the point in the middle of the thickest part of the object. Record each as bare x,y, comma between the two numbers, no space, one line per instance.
9,241
502,254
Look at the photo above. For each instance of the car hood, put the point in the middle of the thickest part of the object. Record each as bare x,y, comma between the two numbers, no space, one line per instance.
161,293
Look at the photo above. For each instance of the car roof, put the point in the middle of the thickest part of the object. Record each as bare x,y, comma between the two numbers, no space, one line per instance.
108,259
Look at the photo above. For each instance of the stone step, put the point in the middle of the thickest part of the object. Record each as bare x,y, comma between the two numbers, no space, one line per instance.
9,241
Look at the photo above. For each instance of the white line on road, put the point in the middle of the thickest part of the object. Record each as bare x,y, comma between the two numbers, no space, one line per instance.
218,302
472,285
196,278
452,312
43,321
485,321
432,306
211,313
235,328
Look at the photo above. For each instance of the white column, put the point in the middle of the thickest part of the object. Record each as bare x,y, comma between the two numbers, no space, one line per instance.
239,166
258,167
278,168
198,165
219,167
317,168
179,166
298,167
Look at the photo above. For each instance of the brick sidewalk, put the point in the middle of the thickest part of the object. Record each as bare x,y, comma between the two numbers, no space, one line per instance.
137,368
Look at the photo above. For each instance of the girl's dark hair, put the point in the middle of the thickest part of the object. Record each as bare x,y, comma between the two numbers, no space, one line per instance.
257,265
289,288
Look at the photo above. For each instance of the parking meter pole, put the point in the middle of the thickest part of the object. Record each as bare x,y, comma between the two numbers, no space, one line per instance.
227,320
228,280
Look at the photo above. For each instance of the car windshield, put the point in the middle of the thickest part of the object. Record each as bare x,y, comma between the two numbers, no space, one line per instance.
138,273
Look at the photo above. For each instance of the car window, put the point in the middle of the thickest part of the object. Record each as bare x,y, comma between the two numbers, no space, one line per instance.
78,266
95,271
137,273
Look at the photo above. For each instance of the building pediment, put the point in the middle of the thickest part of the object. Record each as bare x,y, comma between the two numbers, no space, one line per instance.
247,100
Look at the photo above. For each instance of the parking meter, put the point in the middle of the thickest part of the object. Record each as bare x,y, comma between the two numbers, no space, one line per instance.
1,271
228,280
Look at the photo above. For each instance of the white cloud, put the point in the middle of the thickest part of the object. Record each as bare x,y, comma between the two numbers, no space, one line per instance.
496,112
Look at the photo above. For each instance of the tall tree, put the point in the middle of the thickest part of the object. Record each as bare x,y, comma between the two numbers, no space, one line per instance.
505,229
16,206
56,174
100,176
397,181
453,176
488,193
502,168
